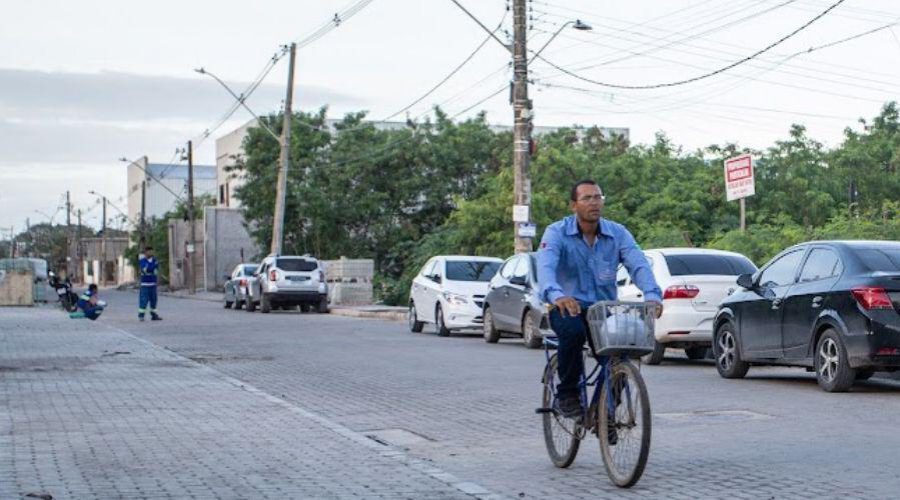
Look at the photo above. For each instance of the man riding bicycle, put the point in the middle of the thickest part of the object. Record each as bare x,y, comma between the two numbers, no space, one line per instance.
577,263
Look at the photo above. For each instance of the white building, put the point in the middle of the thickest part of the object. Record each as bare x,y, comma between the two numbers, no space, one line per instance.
163,183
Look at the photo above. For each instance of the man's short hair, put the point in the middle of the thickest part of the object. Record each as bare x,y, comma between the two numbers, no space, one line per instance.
148,248
584,182
92,287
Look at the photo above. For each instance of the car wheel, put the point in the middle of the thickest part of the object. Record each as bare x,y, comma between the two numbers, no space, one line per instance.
415,325
251,306
833,370
695,352
491,334
531,332
264,305
439,325
323,306
304,308
655,357
238,304
228,304
725,349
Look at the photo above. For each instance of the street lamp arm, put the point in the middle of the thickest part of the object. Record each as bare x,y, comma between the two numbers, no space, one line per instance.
240,99
579,25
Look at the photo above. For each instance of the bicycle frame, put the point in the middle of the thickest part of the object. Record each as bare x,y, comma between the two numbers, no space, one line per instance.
592,379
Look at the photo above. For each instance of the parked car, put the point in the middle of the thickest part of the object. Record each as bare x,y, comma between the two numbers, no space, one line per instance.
512,304
288,281
236,285
829,306
449,292
693,281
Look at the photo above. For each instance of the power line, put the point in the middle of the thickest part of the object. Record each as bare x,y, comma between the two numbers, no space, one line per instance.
700,77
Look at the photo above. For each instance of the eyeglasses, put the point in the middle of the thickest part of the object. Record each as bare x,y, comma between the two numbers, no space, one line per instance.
595,198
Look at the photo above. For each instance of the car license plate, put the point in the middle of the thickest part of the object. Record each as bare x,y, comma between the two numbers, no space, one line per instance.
298,278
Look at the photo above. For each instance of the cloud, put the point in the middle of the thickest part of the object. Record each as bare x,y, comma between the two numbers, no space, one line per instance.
123,96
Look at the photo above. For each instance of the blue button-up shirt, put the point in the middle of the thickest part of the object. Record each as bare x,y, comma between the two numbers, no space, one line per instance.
568,267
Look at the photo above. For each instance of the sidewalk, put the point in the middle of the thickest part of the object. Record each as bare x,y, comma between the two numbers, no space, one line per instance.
372,311
89,411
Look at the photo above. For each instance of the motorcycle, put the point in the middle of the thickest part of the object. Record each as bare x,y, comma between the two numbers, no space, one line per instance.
67,298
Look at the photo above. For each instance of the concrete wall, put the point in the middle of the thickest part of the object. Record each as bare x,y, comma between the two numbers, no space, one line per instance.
16,288
227,244
179,263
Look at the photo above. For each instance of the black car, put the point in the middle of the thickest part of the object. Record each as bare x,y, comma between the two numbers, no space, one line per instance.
829,306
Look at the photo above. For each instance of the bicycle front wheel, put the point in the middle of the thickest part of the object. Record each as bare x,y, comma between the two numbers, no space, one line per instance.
561,435
624,416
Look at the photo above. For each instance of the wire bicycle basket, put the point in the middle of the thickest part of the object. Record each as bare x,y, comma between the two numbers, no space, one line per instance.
622,328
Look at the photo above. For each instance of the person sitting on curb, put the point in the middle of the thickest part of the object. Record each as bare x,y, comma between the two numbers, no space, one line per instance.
89,304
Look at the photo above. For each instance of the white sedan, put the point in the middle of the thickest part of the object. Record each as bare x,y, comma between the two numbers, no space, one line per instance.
694,281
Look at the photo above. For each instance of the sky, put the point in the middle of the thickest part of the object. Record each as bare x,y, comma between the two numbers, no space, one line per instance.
83,84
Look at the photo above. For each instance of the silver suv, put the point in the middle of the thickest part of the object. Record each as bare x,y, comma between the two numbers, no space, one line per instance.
288,281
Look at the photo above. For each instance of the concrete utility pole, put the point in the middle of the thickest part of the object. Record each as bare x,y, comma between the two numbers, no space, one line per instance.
78,253
191,247
143,228
522,117
103,246
278,223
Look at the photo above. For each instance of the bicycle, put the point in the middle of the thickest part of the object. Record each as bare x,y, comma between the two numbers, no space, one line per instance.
618,410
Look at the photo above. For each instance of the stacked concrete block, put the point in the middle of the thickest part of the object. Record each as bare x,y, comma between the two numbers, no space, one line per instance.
350,280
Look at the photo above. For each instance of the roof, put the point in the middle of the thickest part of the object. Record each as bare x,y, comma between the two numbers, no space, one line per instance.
691,250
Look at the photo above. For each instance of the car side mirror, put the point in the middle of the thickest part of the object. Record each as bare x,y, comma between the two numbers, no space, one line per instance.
745,281
436,278
519,281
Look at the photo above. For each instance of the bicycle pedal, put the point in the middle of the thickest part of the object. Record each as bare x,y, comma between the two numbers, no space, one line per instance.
544,410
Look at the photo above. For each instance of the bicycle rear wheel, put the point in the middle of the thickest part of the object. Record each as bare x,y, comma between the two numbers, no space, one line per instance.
561,435
628,423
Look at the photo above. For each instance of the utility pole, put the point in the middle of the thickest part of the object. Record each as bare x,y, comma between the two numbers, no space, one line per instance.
68,254
78,253
522,117
30,237
143,229
103,246
278,223
191,247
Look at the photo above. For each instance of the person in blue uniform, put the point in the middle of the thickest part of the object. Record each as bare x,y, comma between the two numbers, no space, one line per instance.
149,268
89,304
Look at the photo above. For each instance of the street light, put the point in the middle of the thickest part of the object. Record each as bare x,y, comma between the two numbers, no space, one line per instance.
240,99
577,24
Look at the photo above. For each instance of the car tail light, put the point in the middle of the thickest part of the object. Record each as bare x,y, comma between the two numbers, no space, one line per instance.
273,275
243,282
887,351
681,292
870,297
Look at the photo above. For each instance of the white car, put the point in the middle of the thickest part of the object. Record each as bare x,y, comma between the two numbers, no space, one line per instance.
288,281
693,281
449,292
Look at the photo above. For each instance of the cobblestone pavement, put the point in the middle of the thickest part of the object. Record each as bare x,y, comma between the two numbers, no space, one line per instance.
89,411
466,407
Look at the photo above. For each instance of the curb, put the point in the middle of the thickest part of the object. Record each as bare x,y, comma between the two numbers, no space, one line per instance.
356,313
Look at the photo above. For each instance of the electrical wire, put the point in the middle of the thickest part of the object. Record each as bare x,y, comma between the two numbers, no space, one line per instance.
699,77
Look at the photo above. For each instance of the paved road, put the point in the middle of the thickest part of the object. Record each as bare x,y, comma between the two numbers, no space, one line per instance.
466,408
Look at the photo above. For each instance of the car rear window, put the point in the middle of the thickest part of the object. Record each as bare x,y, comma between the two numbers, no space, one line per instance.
458,270
302,265
250,269
880,259
691,264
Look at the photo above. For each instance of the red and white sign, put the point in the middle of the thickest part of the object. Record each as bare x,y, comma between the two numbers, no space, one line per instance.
739,181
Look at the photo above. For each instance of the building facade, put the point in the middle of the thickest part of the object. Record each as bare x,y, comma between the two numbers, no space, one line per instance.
164,185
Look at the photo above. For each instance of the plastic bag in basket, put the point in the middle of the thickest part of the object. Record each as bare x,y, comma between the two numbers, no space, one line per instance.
623,329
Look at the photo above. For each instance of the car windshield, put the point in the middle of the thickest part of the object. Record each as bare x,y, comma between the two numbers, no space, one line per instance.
302,265
886,259
458,270
249,269
693,264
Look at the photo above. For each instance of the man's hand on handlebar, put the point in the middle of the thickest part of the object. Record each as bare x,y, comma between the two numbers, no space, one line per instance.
659,308
568,305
